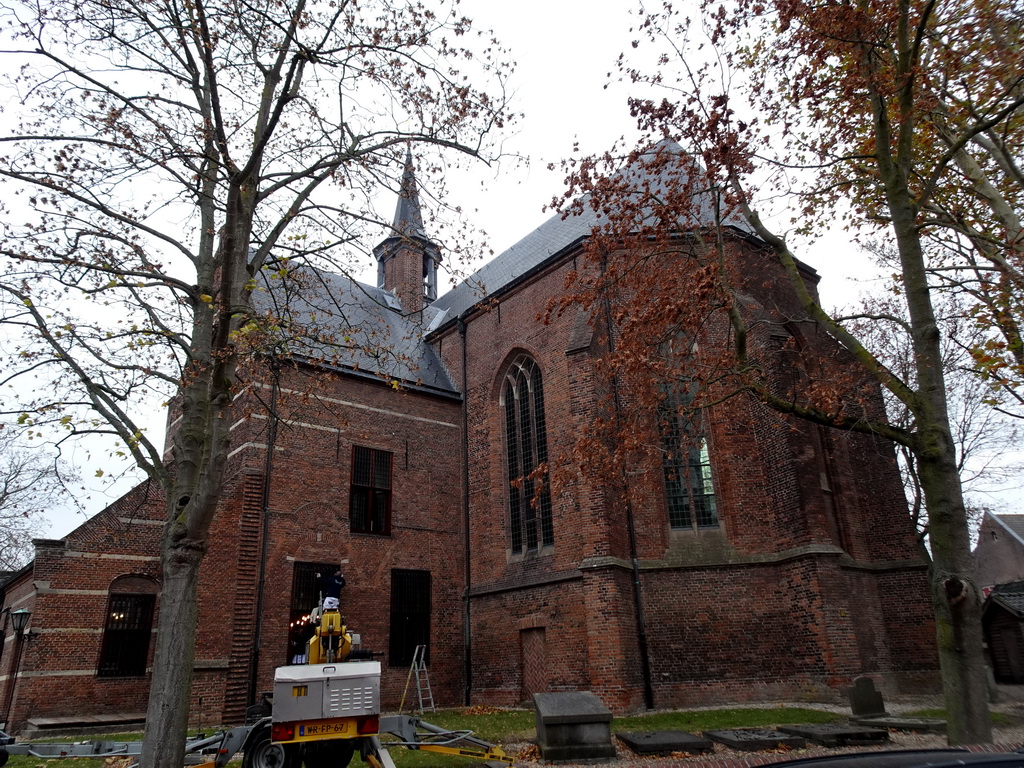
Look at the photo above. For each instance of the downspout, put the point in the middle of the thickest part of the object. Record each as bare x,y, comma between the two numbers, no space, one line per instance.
467,633
638,605
3,647
268,467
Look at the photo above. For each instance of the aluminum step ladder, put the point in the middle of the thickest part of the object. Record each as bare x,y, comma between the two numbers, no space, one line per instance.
424,695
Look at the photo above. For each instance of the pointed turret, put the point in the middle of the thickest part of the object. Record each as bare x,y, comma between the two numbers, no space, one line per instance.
407,260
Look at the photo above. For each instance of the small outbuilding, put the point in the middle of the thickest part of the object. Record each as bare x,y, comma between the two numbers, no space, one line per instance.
1003,623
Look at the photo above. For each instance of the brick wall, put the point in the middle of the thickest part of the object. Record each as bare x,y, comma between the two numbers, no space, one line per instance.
321,419
811,578
68,591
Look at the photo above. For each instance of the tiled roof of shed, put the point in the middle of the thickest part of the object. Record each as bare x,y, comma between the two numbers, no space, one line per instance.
1010,596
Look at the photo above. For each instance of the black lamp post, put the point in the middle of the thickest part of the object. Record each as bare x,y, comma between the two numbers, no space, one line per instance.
19,621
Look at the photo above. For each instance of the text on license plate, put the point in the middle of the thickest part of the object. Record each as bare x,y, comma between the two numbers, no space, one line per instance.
323,728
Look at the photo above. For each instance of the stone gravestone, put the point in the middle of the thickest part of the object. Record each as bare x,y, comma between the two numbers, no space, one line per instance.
573,726
869,710
756,739
865,700
837,734
665,742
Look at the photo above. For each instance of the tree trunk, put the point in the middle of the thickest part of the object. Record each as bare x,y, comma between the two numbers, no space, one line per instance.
957,600
170,690
954,594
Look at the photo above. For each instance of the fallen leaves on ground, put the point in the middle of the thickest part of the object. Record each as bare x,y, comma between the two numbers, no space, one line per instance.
528,754
482,709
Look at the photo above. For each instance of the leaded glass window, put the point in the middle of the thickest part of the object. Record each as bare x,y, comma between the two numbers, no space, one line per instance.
530,523
689,487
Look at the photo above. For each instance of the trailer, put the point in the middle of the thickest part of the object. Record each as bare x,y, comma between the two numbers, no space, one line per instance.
259,751
322,713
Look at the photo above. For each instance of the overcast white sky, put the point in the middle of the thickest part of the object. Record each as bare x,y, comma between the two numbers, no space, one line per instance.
564,50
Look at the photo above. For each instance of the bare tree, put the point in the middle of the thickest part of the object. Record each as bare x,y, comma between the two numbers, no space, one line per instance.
166,159
32,481
983,436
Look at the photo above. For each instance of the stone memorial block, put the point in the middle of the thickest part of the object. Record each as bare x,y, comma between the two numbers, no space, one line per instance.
573,726
865,699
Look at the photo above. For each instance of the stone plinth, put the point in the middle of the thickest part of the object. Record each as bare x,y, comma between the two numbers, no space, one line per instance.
573,726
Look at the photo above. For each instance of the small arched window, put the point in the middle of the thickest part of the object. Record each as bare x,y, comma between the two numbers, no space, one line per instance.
529,499
128,628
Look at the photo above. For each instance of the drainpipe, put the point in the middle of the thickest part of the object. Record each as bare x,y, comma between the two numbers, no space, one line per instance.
638,604
268,467
467,633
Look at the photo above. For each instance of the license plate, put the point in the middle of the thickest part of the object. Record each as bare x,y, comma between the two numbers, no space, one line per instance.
325,729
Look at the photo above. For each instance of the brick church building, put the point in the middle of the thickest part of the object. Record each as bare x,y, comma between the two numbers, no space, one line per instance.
785,567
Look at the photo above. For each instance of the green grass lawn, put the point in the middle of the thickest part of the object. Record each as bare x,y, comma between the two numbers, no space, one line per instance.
997,718
516,726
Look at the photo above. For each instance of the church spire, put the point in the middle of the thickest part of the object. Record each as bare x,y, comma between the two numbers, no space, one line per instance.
408,218
407,259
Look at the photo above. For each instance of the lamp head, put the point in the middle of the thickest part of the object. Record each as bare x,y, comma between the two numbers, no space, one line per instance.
19,619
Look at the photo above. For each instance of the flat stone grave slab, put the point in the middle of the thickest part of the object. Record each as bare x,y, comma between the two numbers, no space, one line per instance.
666,742
837,734
756,739
920,724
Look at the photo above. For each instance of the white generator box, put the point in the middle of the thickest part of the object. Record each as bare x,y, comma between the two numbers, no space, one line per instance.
322,691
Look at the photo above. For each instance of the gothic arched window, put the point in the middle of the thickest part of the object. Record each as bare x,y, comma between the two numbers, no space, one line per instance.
529,498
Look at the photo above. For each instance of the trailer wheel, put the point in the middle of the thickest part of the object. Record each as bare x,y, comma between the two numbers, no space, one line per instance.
336,753
262,753
3,757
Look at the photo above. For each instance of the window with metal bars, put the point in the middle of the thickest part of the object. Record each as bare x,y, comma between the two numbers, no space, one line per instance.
129,625
410,616
370,496
689,487
526,452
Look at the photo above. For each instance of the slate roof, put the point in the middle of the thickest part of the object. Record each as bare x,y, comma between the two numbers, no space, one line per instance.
372,336
549,239
1014,524
408,218
347,325
557,234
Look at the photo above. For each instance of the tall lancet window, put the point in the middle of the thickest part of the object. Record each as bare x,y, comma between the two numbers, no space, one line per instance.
529,496
689,487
